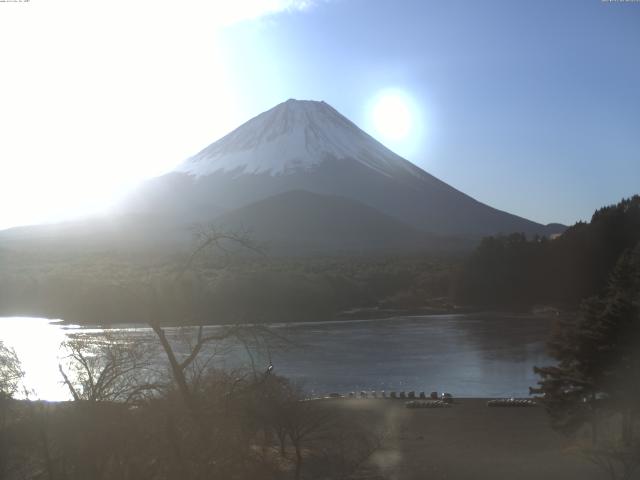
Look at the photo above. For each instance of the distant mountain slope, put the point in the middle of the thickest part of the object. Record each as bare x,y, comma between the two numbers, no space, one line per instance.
302,177
124,233
308,145
303,222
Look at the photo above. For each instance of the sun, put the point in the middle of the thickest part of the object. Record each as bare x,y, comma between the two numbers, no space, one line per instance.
392,116
398,120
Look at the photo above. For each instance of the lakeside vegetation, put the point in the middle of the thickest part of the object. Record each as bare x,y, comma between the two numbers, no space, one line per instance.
194,421
514,271
107,288
234,426
504,272
595,383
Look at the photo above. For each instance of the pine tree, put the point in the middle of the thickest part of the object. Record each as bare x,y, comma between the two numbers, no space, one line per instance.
598,354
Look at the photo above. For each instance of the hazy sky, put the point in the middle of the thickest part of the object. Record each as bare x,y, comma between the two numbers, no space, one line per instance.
530,106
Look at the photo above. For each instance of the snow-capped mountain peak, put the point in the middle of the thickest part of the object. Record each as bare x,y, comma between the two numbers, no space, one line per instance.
294,135
310,148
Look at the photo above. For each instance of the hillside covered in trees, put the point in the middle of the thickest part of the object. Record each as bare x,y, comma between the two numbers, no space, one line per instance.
503,272
516,272
111,288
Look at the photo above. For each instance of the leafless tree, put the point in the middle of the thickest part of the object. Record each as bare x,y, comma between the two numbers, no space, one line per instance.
208,239
10,377
111,369
10,371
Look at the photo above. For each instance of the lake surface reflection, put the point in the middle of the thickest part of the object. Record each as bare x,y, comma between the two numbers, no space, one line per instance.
468,355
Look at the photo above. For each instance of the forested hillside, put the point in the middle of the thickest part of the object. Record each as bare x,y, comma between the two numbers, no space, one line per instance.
513,271
109,288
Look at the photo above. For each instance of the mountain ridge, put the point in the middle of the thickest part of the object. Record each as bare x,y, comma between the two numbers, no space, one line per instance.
308,145
293,135
350,182
305,222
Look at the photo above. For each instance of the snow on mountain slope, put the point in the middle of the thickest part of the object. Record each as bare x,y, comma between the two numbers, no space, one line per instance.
301,176
292,136
309,146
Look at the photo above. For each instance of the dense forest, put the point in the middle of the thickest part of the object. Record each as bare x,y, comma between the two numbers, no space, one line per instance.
592,391
503,272
109,288
516,272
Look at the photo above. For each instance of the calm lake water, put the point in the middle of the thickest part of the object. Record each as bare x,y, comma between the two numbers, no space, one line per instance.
468,355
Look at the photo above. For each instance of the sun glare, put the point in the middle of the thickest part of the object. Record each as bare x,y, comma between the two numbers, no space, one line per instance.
395,119
392,117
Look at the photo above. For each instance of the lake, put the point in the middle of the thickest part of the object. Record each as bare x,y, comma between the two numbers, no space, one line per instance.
468,355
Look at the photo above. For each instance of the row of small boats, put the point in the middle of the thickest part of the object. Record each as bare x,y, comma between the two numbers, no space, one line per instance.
433,400
412,395
512,402
427,404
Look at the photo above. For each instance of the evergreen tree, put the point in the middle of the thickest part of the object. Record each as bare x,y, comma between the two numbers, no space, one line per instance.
598,354
513,271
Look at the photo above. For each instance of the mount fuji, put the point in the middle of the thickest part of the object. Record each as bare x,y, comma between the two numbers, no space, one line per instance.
297,135
309,148
302,178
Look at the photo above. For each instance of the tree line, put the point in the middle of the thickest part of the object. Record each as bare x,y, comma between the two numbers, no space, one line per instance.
105,289
514,271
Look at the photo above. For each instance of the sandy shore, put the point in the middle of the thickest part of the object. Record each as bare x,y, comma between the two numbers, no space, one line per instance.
467,441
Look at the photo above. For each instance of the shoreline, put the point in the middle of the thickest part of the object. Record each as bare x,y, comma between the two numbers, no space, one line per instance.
372,316
433,308
386,315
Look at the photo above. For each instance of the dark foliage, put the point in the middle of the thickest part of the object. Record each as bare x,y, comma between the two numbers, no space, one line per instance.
597,378
234,436
109,288
513,271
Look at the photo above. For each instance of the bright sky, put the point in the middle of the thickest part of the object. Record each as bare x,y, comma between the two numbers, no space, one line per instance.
531,107
97,95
